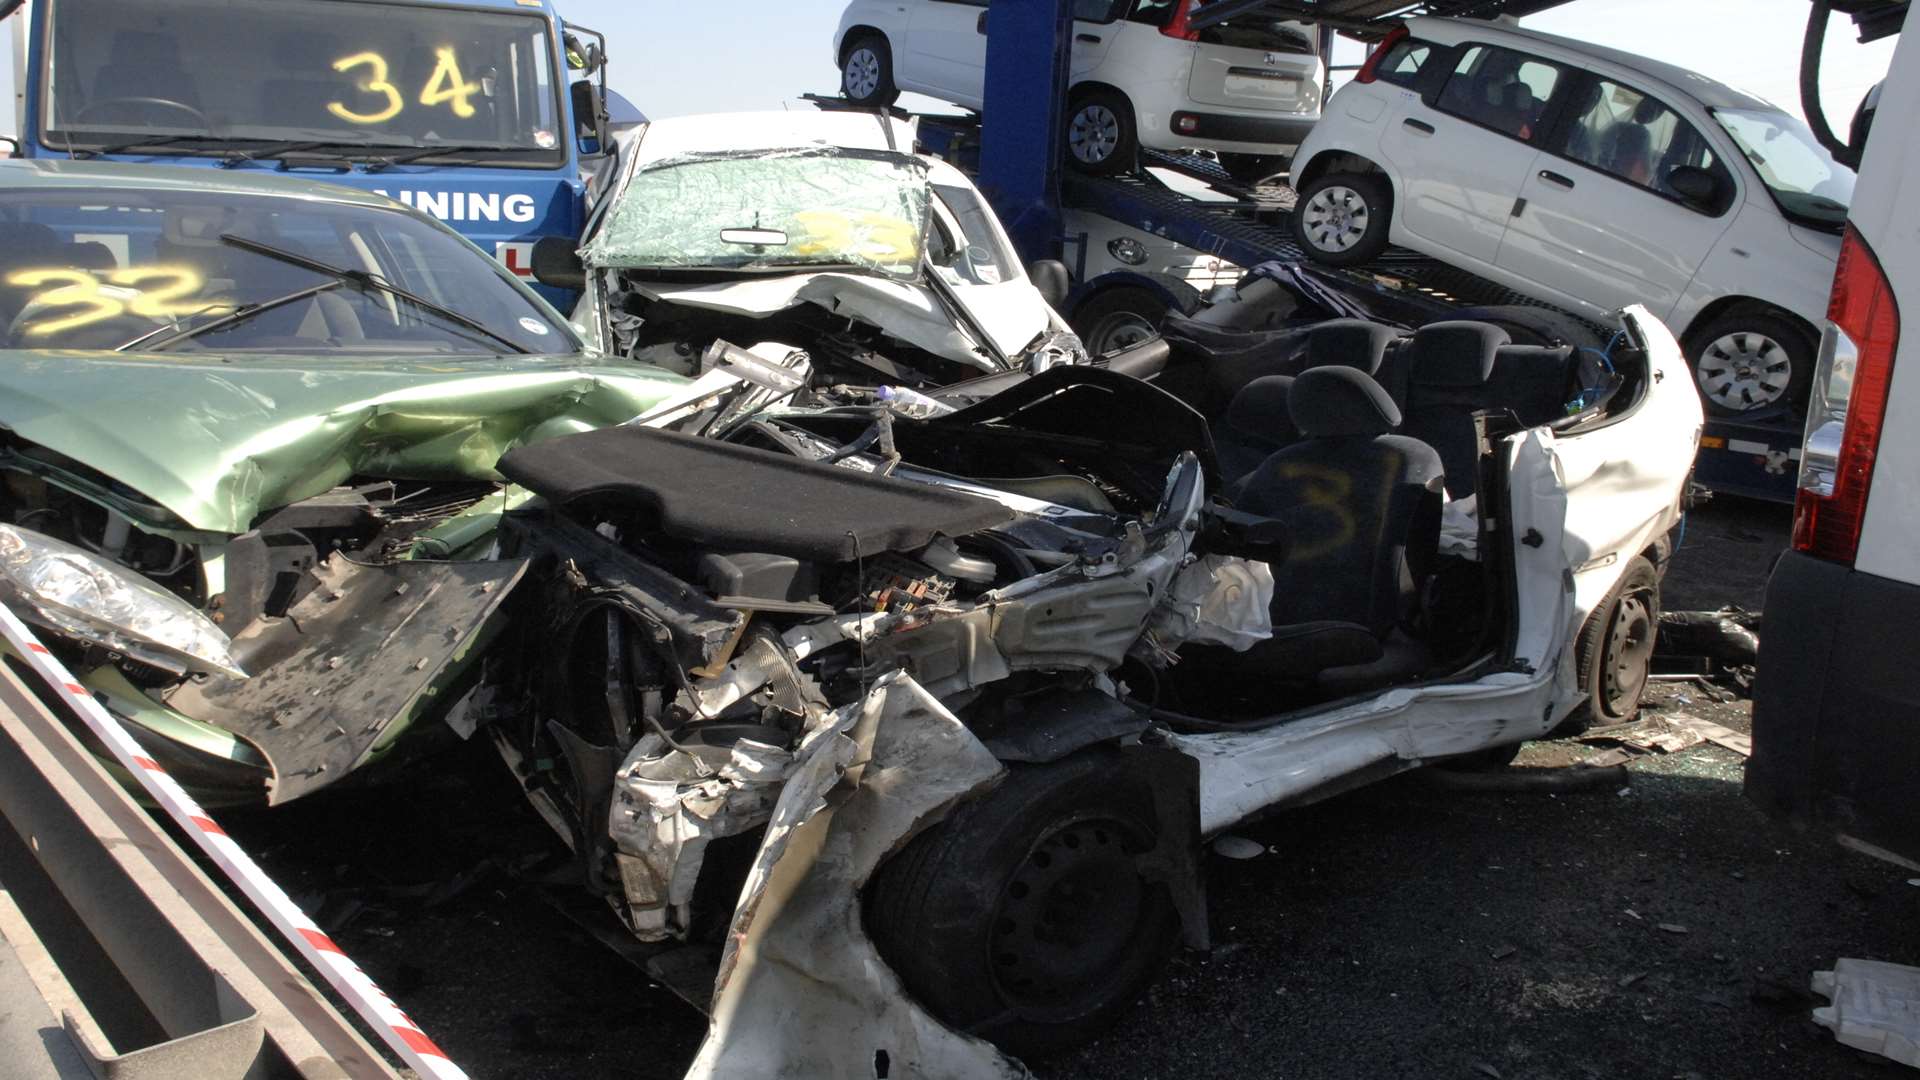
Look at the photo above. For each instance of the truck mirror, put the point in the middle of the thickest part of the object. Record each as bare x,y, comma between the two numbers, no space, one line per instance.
589,117
1051,278
556,262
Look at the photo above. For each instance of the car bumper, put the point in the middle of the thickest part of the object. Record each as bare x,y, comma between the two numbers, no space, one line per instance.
1836,712
1190,128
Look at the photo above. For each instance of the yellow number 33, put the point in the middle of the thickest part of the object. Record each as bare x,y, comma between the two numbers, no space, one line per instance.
444,85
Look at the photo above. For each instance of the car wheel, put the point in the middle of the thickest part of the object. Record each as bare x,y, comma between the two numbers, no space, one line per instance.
1615,652
866,72
1100,134
1750,360
1341,219
1119,319
1255,168
1027,916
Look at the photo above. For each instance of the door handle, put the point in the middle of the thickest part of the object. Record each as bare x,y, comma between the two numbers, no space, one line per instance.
1552,177
1420,126
980,24
1091,39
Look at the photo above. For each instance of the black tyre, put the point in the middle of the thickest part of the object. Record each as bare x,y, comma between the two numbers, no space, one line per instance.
1255,168
1341,219
1119,318
1536,326
1100,134
866,71
1752,359
1025,917
1615,651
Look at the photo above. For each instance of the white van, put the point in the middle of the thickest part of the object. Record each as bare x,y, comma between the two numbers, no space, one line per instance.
1836,713
1247,87
1591,179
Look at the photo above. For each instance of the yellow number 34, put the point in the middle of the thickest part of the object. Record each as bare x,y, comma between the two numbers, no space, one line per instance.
444,85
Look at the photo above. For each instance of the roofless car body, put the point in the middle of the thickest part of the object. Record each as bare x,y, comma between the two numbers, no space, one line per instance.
859,698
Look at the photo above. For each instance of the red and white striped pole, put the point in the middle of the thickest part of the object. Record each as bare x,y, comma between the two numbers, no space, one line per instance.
345,976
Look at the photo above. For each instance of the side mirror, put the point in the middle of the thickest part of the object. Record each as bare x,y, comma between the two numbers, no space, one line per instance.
589,116
1696,185
1051,278
556,262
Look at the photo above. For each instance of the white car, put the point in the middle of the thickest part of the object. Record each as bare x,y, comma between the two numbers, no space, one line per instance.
1247,88
820,230
1592,179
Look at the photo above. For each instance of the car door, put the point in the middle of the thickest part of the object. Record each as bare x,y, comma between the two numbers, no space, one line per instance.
1463,151
1600,221
946,53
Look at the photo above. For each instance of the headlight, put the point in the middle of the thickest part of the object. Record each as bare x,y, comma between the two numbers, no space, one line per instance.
79,593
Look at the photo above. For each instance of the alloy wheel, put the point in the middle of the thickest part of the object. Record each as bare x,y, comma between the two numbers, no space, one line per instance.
1744,370
1335,218
1093,134
862,76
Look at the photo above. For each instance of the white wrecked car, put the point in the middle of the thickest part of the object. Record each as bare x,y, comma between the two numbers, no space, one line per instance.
912,726
822,230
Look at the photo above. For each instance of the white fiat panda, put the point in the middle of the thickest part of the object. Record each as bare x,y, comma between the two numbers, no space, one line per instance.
1247,87
1591,179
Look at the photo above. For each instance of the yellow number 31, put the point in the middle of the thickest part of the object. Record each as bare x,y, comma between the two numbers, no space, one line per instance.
444,85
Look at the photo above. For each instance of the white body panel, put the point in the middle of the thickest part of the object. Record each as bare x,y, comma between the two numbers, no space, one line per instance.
938,50
1883,214
1605,243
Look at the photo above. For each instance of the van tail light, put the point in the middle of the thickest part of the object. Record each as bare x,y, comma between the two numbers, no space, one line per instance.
1177,26
1848,406
1371,69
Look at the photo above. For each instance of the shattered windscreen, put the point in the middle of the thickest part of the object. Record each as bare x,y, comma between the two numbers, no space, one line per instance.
832,209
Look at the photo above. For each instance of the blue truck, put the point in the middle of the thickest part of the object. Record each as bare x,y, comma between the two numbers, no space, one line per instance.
488,114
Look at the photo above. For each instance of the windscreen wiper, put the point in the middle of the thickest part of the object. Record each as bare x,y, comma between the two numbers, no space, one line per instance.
239,314
366,282
86,152
389,160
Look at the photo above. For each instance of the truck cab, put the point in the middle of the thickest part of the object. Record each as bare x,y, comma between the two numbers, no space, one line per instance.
463,111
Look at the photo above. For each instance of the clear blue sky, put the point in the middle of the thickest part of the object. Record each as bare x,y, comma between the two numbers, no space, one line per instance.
673,58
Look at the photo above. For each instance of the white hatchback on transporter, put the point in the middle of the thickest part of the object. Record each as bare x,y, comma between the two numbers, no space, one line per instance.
1246,87
1591,179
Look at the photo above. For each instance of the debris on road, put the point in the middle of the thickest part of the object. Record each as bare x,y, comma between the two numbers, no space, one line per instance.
1875,1007
1673,928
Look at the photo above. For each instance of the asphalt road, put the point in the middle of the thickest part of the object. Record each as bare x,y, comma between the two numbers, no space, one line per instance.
1666,930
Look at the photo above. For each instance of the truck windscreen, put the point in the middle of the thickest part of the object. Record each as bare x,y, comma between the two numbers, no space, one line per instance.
352,78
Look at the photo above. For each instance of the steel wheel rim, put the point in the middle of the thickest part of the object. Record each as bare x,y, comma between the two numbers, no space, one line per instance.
1629,651
1335,218
1744,370
863,72
1120,330
1068,918
1094,134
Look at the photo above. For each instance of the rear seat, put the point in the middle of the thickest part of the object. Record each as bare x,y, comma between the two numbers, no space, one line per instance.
1450,365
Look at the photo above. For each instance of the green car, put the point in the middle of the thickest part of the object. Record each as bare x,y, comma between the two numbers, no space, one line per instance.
248,428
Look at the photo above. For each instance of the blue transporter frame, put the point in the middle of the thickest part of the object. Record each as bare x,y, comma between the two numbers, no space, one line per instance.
503,208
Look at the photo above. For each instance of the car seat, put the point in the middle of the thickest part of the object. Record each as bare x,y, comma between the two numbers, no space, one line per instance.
1583,142
1449,365
1367,346
1627,147
1257,423
24,245
1361,506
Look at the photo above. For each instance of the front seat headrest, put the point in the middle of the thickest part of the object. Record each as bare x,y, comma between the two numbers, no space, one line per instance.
1354,343
1455,353
1260,411
1329,402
